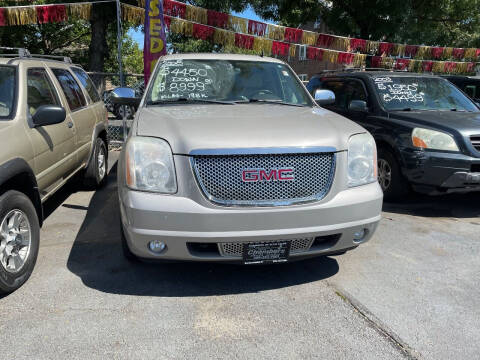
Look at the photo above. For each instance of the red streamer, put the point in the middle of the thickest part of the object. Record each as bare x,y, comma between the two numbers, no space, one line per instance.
376,61
358,45
385,48
345,58
450,66
203,32
411,50
293,35
3,20
325,40
437,52
217,19
256,28
167,20
174,8
51,14
402,64
458,53
314,53
427,66
244,41
280,48
471,67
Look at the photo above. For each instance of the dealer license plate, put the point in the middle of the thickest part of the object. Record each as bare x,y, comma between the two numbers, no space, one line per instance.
262,253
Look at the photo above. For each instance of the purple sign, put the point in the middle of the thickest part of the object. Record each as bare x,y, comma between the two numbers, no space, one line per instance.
155,39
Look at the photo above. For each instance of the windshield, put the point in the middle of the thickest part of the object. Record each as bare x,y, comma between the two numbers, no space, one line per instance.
420,93
7,91
226,81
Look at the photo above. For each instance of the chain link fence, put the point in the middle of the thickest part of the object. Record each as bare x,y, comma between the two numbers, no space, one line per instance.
105,83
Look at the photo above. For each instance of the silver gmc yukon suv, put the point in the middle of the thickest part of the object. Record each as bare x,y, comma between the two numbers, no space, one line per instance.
230,159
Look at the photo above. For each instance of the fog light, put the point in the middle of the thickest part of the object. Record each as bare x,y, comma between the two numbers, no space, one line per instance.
157,246
359,235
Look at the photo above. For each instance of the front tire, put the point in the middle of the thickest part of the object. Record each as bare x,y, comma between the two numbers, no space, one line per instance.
390,178
96,173
19,240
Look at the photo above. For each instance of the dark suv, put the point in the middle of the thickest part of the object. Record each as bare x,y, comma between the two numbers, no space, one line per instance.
470,85
427,131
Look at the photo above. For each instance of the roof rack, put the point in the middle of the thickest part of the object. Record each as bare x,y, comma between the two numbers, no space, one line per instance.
356,69
23,53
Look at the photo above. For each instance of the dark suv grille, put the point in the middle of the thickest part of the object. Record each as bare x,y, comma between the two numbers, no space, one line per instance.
220,178
475,142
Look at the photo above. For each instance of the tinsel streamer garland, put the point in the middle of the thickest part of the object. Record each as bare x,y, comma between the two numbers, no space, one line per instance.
262,46
21,16
217,19
3,18
237,24
280,48
196,14
293,35
265,46
203,32
275,32
309,38
279,33
256,28
83,11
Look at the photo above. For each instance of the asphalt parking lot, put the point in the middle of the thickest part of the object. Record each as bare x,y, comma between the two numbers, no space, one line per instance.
411,292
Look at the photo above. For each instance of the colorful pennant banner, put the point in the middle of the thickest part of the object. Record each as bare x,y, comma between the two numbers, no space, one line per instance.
299,36
265,45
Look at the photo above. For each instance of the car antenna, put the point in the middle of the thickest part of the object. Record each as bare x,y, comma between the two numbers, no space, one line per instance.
261,55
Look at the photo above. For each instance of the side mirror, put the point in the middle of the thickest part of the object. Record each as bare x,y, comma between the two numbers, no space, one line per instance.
324,97
124,96
48,115
358,106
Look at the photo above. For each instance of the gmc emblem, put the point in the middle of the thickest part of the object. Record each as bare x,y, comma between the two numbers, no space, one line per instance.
255,175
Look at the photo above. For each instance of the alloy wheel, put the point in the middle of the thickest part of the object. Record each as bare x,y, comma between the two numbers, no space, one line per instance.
15,240
101,163
384,174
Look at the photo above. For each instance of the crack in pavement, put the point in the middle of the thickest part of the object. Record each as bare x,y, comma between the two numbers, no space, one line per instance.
378,325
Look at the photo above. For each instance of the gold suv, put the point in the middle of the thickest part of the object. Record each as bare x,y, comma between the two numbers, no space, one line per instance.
53,125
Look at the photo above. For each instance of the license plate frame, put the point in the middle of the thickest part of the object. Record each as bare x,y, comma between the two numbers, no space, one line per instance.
266,252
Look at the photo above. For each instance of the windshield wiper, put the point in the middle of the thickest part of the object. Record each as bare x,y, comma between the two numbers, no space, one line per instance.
185,100
278,102
404,109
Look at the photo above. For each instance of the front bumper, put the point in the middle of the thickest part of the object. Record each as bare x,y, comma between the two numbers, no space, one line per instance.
438,172
187,227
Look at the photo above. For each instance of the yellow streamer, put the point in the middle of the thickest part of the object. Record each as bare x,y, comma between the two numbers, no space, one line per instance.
21,16
133,14
224,37
80,11
399,49
309,38
471,54
372,47
341,43
276,32
180,26
330,56
196,14
237,24
359,60
447,53
262,45
292,51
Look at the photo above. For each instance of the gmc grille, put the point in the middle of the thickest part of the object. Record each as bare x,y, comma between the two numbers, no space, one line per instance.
475,142
220,178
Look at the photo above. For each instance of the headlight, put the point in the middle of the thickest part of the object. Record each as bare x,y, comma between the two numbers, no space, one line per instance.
149,165
362,160
431,139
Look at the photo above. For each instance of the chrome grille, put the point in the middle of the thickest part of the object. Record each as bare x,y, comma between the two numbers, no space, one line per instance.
235,249
220,178
475,142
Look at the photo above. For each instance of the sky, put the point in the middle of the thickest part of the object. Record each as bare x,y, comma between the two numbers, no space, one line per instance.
137,35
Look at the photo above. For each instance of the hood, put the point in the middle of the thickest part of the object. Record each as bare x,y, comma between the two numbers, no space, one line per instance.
197,127
462,122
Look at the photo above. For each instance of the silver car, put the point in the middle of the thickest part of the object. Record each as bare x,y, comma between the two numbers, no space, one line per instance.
230,159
